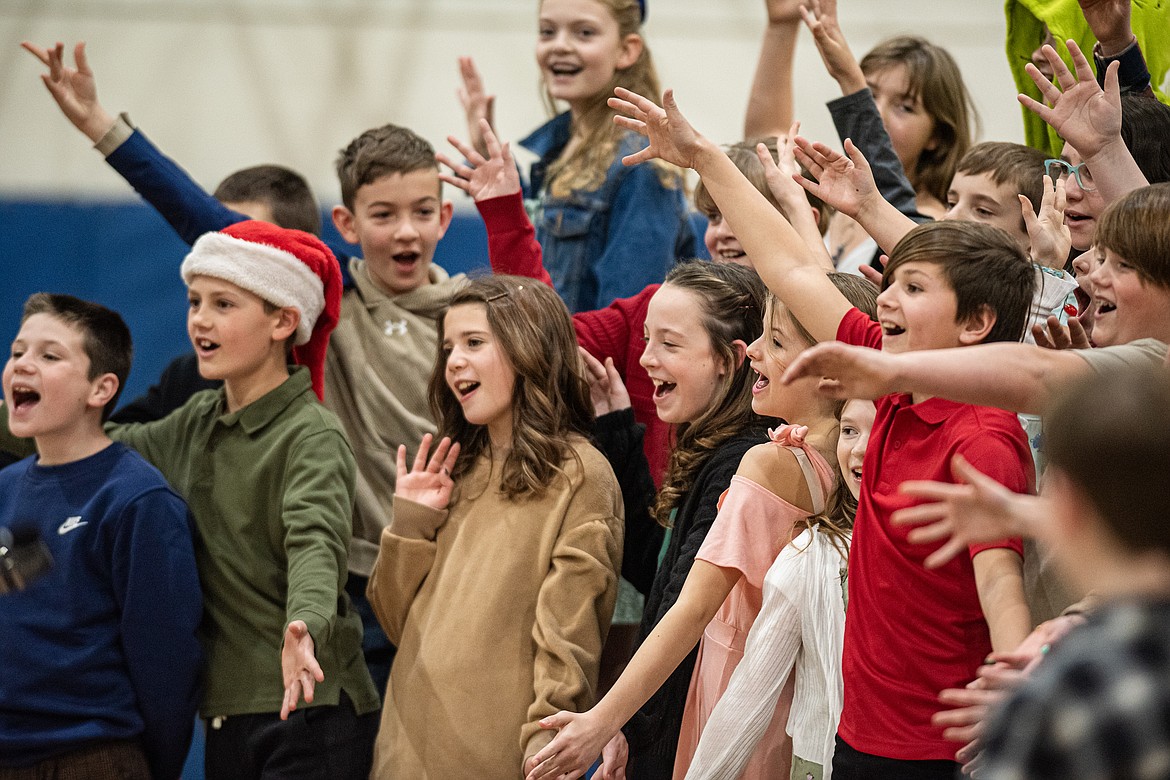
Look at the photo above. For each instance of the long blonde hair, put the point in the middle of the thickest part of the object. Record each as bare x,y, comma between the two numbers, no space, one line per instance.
585,169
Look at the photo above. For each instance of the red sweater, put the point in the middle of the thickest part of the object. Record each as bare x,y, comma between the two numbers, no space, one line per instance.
615,331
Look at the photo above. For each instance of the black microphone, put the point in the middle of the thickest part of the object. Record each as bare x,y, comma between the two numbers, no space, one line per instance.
24,558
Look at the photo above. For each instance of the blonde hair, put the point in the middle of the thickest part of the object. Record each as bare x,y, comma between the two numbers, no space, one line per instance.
585,169
933,75
550,399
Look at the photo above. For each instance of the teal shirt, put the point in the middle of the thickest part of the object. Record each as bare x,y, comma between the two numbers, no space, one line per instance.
271,487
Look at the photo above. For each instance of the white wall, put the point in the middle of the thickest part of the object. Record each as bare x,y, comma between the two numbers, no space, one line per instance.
221,84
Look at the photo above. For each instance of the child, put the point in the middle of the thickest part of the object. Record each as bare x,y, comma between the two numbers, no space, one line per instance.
498,594
269,476
101,676
947,284
1096,705
797,635
607,231
775,490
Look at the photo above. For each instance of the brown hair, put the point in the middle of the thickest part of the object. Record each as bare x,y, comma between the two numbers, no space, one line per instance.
282,189
932,74
743,154
732,301
105,337
1110,434
550,400
1020,167
1137,228
984,266
379,152
585,169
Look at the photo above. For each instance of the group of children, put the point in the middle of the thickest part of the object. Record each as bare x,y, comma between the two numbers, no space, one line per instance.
372,478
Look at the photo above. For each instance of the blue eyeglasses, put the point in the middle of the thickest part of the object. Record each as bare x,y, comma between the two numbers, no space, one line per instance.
1059,169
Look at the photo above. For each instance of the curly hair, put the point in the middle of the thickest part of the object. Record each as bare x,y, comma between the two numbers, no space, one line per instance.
550,400
585,169
731,299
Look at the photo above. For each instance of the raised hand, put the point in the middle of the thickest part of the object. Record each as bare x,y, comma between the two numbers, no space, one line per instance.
477,104
784,11
298,666
74,89
578,743
782,175
672,138
1051,334
980,510
844,182
482,178
1078,109
606,389
1110,22
1048,236
820,16
428,482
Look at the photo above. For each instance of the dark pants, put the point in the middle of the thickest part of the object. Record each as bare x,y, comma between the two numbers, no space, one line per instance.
377,649
122,760
850,764
317,743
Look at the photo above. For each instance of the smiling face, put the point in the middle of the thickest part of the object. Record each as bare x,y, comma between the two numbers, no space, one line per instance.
722,244
770,356
579,48
679,356
976,197
478,371
910,127
856,422
1129,306
1083,207
398,220
234,334
917,309
46,381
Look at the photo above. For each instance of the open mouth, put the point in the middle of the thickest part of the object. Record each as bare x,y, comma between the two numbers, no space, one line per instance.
565,70
406,258
1104,307
663,389
24,398
761,382
465,388
731,255
893,330
1072,218
856,474
206,346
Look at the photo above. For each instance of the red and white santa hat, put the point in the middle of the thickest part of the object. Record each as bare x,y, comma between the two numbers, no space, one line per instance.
284,267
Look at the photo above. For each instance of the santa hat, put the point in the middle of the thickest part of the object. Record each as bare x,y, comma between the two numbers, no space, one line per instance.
284,267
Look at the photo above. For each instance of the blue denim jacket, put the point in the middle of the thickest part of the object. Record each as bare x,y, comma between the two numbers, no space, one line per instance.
614,241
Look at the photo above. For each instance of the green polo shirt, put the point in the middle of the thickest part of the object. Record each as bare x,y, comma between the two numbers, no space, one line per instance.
271,487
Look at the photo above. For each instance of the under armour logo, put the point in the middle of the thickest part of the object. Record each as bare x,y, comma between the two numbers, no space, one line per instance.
392,328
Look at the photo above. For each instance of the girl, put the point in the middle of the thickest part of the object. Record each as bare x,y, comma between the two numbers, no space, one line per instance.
497,577
907,109
607,230
801,629
776,488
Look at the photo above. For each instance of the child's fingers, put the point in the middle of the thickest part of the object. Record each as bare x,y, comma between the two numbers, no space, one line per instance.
611,372
449,461
35,51
467,150
440,455
455,181
1078,338
640,104
81,60
592,365
926,534
401,461
639,157
457,166
1084,70
1040,334
489,138
1060,197
944,554
420,458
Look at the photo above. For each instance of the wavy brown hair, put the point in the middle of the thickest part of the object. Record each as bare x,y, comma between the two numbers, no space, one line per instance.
586,167
731,299
550,400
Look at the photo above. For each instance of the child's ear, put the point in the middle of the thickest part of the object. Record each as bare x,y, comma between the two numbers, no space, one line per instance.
287,320
446,212
102,390
343,220
632,46
740,353
977,326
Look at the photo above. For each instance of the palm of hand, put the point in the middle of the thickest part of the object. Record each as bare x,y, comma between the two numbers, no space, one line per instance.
425,487
1084,112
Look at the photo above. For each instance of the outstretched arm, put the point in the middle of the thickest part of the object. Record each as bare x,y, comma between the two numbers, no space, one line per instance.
783,261
189,209
1017,377
782,175
769,108
1088,118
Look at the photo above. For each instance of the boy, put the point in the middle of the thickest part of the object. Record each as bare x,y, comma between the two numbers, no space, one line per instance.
384,347
1096,706
101,676
269,476
947,284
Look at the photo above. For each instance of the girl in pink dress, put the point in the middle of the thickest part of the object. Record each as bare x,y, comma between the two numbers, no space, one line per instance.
779,486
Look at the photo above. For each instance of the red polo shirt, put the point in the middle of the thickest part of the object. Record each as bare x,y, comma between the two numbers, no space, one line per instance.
911,632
